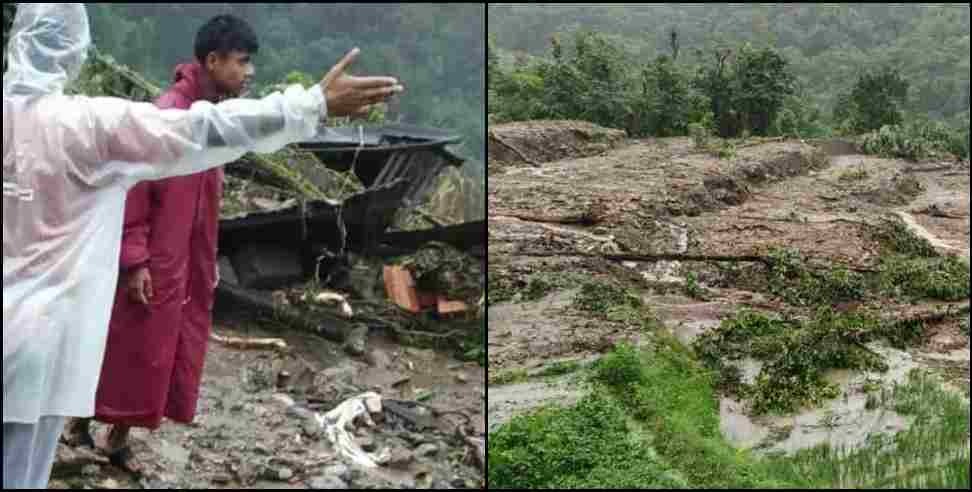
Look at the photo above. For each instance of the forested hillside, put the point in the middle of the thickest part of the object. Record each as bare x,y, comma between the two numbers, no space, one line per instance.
825,49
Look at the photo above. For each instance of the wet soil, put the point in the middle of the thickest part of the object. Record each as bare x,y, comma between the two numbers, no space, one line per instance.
244,437
663,196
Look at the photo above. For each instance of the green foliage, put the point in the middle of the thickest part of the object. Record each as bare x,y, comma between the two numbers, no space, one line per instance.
587,83
765,82
651,423
509,377
530,288
796,354
918,139
663,432
701,135
876,100
791,279
666,104
945,279
561,368
800,118
910,269
693,289
896,238
556,447
621,369
603,297
827,46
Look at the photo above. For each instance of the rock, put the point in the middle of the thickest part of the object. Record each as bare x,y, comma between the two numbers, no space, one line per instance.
312,430
373,404
462,378
328,483
355,343
300,412
414,439
90,470
377,358
400,458
261,450
427,355
339,471
458,483
285,474
221,479
401,381
367,444
109,484
426,450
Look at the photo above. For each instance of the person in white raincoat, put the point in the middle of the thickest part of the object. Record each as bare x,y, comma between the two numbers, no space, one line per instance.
68,163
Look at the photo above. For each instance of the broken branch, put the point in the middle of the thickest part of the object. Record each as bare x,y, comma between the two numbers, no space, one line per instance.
654,258
249,343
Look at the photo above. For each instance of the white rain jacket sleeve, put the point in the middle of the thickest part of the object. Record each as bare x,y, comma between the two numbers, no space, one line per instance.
68,163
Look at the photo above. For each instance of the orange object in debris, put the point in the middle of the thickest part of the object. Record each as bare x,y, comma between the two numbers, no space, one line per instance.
451,307
401,288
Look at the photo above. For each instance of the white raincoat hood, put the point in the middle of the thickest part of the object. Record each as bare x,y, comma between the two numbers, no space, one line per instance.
48,45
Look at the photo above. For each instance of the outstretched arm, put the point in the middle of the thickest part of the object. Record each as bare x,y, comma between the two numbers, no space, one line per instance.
142,142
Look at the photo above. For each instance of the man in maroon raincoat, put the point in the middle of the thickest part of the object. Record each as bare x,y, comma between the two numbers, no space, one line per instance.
162,316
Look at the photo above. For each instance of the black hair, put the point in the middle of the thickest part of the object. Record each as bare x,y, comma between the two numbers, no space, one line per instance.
224,34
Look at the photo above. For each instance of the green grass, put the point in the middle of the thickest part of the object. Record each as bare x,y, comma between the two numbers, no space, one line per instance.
933,453
651,420
512,376
561,368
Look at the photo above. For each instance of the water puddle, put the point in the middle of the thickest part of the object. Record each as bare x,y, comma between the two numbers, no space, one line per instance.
845,422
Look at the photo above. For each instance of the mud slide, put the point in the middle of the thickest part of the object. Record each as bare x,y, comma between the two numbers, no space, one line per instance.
665,197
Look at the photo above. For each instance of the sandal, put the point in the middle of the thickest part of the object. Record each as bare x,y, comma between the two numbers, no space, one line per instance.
123,458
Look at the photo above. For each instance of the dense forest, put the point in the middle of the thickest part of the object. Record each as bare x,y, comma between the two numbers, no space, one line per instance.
437,50
643,64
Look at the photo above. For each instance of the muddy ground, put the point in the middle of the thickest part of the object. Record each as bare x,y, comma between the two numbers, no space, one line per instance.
664,196
245,437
